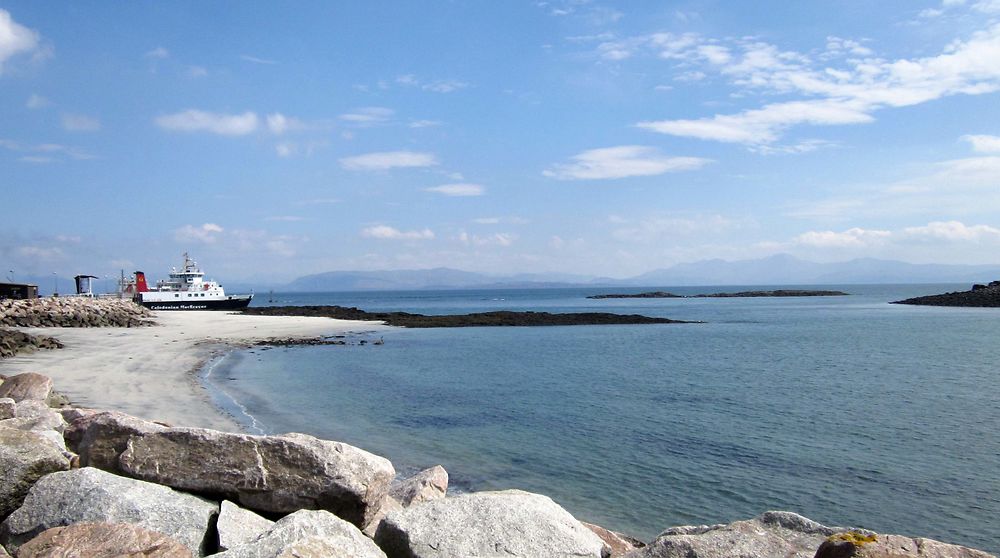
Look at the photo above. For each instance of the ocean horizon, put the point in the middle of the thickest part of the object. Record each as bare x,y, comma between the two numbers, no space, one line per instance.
848,410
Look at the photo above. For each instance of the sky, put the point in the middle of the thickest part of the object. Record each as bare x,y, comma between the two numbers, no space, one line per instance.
274,140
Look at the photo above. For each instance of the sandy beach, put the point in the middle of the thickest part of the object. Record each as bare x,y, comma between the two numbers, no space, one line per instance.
151,372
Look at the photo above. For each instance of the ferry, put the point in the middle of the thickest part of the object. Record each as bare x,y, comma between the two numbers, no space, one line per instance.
186,290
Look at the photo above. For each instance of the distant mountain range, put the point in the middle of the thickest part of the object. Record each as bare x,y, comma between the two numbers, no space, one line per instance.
781,269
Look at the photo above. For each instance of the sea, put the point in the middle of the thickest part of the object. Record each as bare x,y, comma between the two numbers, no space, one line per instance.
848,410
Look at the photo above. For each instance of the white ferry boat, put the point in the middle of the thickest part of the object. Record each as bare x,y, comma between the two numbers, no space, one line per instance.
186,290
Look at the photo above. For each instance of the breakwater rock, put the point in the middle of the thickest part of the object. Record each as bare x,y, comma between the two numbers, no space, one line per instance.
980,296
73,312
13,342
741,294
479,319
100,483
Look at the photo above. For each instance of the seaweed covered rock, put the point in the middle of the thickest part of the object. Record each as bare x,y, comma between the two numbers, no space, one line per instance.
858,545
13,342
308,533
102,540
507,523
279,474
91,495
772,533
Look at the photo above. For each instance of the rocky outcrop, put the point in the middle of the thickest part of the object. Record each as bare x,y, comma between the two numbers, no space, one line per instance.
28,385
267,473
783,534
980,296
99,540
429,484
25,457
741,294
857,545
308,533
13,342
73,312
92,495
237,526
100,438
479,319
507,523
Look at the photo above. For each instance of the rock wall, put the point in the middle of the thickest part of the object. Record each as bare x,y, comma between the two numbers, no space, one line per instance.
79,482
73,312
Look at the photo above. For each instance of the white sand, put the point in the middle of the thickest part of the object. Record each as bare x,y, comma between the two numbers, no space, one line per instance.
151,372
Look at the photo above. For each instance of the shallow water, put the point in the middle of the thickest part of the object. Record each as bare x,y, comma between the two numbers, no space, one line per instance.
848,410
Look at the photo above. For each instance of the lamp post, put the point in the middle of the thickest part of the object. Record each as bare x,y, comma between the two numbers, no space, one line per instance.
55,284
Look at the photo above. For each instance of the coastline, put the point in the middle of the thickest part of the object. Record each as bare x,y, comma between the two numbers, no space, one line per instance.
154,372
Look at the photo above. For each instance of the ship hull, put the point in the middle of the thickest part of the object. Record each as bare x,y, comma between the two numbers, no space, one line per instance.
229,303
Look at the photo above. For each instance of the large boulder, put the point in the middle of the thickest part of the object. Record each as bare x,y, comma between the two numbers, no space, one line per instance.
33,414
102,540
28,385
100,438
268,473
857,545
774,533
308,534
25,457
237,526
429,484
509,523
92,495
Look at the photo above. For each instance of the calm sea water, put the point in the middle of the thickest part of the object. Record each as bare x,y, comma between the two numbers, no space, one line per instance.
848,410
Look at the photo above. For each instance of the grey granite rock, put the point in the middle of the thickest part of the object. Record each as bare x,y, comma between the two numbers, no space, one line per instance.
33,414
28,385
487,524
267,473
389,505
100,438
855,545
8,408
429,484
308,534
25,457
238,526
102,540
774,533
92,495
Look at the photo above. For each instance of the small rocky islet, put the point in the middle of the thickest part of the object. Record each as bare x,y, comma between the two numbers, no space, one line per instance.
740,294
979,296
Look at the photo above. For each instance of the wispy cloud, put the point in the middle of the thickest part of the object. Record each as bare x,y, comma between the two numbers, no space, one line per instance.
458,190
158,53
496,239
15,39
386,160
854,237
385,232
256,60
196,72
80,123
216,123
285,218
368,115
36,101
207,233
435,86
983,143
45,152
621,162
424,123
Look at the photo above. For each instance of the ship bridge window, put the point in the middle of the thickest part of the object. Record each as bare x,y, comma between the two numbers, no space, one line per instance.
176,295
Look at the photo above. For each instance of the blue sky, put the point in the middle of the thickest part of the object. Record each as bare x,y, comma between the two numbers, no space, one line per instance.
273,140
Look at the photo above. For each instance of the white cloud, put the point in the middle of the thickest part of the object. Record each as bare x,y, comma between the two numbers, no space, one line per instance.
158,53
424,123
621,162
49,149
854,237
497,239
850,94
36,101
445,86
368,115
206,234
458,189
984,143
954,231
80,123
256,60
386,232
202,121
15,39
388,160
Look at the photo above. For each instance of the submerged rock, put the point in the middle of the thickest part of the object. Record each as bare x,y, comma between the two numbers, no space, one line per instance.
102,540
857,545
508,523
92,495
25,457
269,473
308,534
771,534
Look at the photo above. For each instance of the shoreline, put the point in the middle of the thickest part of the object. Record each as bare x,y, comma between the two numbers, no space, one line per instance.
155,372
